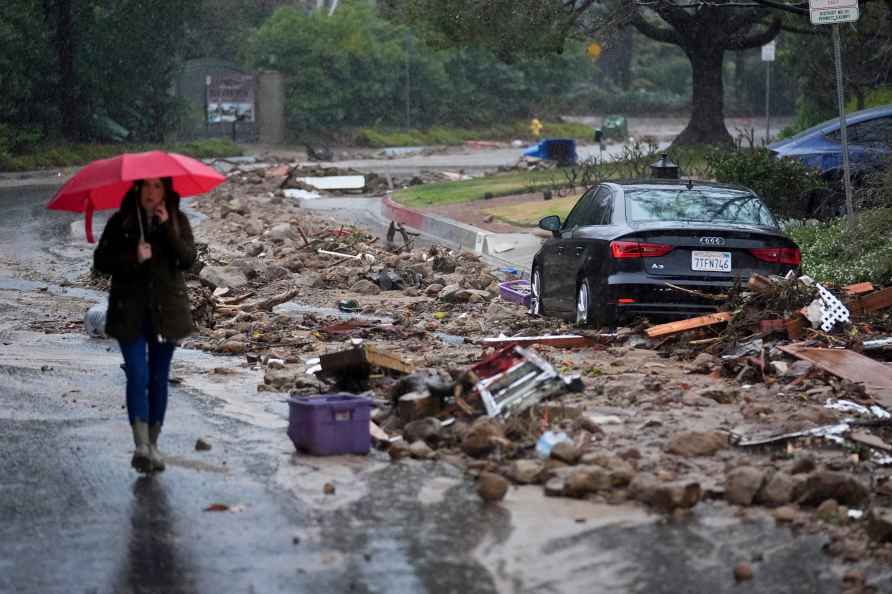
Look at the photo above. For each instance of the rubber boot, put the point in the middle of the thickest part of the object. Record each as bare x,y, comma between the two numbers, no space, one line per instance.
141,461
154,454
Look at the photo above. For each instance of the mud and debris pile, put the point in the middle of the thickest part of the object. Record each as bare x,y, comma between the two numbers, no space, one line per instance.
779,402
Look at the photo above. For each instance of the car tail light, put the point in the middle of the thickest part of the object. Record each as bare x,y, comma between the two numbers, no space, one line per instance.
636,249
791,256
625,301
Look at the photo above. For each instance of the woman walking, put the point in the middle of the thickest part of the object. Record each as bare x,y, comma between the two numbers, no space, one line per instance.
145,247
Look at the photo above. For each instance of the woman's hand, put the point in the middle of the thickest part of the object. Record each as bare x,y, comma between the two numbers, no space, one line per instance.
143,251
161,213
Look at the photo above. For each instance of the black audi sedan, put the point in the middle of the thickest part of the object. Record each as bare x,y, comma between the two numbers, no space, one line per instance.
624,243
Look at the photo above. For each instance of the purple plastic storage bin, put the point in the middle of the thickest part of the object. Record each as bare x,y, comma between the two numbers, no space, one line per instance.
517,291
330,424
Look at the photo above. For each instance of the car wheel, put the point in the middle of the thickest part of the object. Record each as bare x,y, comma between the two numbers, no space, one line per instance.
536,294
583,304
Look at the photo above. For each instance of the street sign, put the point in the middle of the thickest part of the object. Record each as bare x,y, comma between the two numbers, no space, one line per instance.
768,51
828,12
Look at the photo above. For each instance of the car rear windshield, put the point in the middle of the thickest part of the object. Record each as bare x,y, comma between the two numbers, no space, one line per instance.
712,205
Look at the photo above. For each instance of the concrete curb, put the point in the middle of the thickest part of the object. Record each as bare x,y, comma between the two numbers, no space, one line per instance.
514,249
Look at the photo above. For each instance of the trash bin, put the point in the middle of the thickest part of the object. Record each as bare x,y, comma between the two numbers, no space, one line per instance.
330,424
562,150
615,127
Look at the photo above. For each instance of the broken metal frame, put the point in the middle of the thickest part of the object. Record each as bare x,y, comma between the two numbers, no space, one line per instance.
522,385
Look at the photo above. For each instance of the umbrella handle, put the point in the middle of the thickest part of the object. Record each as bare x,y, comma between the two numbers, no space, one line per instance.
142,236
88,221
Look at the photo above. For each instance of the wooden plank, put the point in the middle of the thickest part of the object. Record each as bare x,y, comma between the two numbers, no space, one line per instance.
875,301
847,365
859,289
769,326
689,324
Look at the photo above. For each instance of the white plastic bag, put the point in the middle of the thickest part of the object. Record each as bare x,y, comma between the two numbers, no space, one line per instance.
94,320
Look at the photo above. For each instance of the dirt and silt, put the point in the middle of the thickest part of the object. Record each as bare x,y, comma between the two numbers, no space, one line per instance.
662,423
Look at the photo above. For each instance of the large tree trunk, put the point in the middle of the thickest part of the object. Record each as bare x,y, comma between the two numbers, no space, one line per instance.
707,123
66,95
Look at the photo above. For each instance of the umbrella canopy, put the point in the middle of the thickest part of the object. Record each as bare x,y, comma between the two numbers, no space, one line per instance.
102,184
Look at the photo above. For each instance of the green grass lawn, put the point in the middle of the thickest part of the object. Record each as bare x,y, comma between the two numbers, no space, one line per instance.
475,189
528,214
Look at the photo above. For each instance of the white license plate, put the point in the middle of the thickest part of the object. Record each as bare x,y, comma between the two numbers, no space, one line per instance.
711,261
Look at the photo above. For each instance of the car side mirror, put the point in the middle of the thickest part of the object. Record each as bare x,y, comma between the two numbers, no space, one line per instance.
551,223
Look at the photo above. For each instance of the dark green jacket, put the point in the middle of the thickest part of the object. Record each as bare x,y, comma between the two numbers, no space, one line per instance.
156,288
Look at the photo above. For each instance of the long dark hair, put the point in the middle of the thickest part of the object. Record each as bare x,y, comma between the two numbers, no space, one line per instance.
130,206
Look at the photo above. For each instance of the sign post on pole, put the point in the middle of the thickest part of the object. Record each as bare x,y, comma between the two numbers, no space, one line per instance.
768,51
833,12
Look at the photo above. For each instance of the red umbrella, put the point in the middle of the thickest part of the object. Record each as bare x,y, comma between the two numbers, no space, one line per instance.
101,185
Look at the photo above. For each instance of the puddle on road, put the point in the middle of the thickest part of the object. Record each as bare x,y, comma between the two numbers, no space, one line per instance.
434,491
17,284
305,477
518,562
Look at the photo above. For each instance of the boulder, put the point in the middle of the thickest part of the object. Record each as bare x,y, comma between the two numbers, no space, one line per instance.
421,451
828,484
777,490
665,496
365,287
481,437
584,480
223,276
565,451
526,472
742,484
697,443
427,430
491,486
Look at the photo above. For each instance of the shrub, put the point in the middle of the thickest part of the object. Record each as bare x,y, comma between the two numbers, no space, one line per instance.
832,255
788,187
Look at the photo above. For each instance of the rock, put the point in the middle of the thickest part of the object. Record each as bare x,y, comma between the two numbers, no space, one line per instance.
800,368
491,486
704,363
827,484
777,490
427,430
853,579
879,524
665,497
697,443
450,294
620,471
743,572
803,464
786,514
233,347
742,484
365,287
411,292
828,511
417,405
253,249
201,445
481,437
696,400
780,367
222,276
554,487
720,394
586,422
565,451
398,450
421,451
433,290
328,489
444,264
280,232
582,481
526,472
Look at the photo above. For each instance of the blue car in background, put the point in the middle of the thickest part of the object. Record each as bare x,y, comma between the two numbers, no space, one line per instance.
869,136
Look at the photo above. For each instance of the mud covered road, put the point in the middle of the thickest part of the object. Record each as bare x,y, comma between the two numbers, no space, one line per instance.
74,517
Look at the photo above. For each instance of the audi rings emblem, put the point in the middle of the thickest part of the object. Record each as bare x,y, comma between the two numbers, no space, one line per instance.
715,241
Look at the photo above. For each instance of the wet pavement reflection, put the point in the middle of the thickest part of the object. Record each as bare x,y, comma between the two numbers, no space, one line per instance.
157,559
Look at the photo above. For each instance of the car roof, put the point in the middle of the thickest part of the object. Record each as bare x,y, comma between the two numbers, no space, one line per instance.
833,124
671,184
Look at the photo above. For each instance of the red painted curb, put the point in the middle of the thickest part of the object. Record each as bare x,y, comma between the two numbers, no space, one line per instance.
403,214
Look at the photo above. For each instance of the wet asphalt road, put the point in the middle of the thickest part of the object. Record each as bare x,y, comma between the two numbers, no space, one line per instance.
75,518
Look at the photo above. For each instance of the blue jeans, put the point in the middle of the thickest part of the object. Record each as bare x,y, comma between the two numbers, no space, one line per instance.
147,377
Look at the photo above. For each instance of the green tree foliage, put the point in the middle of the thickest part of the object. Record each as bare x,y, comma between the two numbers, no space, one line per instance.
355,68
788,187
64,63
